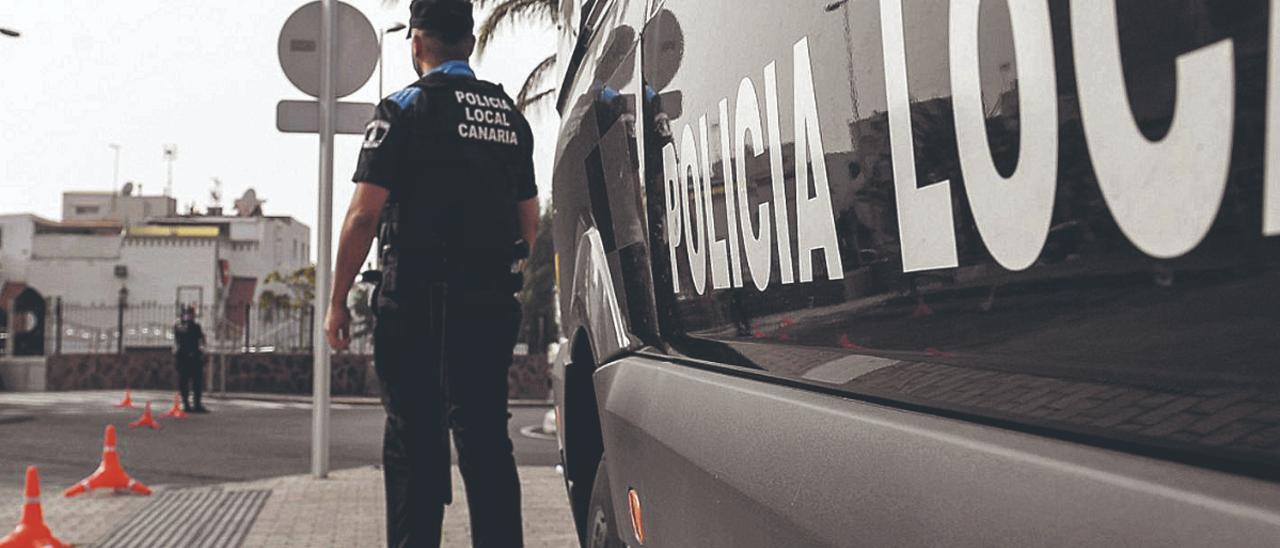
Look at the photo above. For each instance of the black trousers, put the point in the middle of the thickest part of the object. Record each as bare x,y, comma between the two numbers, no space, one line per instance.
190,377
425,399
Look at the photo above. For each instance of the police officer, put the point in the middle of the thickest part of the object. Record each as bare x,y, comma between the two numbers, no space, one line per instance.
446,175
188,338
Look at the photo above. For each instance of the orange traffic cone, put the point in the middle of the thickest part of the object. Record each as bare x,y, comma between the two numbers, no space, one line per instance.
175,411
146,419
31,531
848,344
127,401
109,475
934,352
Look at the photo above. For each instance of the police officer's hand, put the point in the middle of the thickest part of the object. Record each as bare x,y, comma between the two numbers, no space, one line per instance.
337,326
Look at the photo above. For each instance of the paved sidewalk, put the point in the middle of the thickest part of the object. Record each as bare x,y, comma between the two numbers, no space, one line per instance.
345,510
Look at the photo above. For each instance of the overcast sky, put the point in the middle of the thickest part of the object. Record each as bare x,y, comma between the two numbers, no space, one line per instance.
202,75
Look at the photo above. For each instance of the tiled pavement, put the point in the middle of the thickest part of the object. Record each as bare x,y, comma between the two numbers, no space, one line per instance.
1228,418
345,511
1237,420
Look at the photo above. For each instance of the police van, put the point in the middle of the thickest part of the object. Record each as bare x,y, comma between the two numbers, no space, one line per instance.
920,272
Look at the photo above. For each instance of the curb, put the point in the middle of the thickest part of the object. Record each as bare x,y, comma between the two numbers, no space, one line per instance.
345,400
292,398
530,403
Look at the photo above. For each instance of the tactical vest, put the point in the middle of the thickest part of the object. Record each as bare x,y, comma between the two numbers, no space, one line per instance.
454,219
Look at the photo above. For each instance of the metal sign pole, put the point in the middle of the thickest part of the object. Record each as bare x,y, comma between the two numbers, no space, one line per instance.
324,251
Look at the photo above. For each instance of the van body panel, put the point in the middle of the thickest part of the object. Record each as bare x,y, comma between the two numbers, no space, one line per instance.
1046,229
723,461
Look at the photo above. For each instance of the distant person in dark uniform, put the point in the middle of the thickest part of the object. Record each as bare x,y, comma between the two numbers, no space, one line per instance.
188,352
446,171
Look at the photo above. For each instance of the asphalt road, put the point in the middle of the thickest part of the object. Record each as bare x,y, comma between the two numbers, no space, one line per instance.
240,440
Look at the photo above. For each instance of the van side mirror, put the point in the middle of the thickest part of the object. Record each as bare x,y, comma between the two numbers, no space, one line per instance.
672,104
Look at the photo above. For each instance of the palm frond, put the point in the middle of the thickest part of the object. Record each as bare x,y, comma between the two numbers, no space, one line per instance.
507,12
535,83
527,103
504,12
478,3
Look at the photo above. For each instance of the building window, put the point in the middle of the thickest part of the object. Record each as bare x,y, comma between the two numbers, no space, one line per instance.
87,210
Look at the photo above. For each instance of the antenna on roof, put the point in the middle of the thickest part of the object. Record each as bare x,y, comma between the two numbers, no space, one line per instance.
170,154
215,194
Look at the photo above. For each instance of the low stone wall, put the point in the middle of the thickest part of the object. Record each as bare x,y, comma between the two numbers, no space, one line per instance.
142,369
291,374
529,378
262,373
22,374
152,369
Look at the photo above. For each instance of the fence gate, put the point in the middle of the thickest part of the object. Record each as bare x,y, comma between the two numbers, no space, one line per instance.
27,323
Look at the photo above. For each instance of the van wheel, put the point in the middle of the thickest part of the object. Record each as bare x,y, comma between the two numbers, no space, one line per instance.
602,524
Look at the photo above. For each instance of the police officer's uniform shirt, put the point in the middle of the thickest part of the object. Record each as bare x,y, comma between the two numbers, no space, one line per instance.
188,336
456,155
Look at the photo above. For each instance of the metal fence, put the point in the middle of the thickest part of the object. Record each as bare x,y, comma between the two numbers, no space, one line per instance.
250,328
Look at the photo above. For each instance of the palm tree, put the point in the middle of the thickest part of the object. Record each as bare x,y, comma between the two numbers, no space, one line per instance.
504,13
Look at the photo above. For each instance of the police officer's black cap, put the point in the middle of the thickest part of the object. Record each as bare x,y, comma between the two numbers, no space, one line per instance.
451,19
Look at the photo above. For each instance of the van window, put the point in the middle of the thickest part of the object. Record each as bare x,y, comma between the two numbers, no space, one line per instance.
830,205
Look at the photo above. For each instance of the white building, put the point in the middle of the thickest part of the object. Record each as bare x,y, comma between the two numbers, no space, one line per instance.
122,207
139,243
72,260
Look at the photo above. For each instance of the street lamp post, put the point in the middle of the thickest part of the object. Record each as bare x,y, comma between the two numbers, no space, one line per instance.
115,173
855,127
382,38
848,42
170,154
120,306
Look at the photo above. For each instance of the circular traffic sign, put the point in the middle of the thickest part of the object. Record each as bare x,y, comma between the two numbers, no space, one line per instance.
356,51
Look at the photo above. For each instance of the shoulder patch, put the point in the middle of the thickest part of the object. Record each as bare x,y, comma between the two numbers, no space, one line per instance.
375,133
405,97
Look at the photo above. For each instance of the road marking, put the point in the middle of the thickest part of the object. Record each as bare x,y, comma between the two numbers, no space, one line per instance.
534,431
77,403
